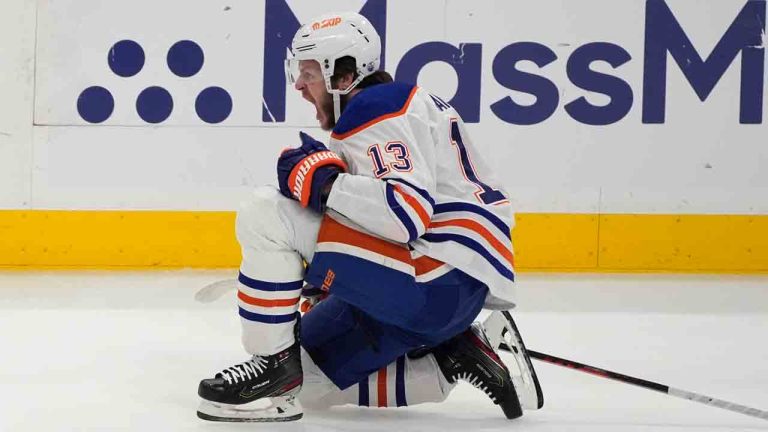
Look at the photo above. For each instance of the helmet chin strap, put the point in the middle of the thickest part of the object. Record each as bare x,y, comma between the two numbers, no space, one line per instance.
336,107
337,95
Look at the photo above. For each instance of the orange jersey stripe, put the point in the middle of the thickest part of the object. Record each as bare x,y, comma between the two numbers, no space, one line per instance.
378,119
382,387
480,229
423,215
425,264
266,303
332,231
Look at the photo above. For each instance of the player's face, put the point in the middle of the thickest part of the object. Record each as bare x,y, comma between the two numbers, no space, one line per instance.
312,87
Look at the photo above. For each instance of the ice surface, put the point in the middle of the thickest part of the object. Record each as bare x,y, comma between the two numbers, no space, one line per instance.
125,351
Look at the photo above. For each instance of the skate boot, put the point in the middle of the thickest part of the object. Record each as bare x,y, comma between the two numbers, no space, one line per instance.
471,358
262,389
503,334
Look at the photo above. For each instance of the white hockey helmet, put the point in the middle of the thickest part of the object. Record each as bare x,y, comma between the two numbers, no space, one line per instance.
329,37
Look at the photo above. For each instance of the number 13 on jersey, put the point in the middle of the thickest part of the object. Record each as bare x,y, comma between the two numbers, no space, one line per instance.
402,163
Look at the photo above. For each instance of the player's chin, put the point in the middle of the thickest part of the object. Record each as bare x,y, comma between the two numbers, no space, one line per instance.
326,125
325,121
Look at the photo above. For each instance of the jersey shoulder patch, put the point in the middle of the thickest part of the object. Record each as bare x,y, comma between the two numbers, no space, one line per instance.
373,105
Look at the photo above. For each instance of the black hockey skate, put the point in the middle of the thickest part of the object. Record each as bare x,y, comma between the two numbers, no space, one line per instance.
471,358
262,389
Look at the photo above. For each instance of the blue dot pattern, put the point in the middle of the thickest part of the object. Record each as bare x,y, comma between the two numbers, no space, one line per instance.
126,58
154,104
185,58
213,105
95,104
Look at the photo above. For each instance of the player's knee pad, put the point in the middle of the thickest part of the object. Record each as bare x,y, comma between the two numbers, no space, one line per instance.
259,219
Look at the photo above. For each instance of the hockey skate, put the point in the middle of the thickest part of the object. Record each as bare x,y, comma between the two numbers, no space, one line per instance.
470,357
503,333
262,389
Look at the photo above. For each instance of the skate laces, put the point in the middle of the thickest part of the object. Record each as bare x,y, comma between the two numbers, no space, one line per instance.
476,381
245,371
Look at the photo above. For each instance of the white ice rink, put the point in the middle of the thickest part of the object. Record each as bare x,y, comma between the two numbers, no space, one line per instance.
125,351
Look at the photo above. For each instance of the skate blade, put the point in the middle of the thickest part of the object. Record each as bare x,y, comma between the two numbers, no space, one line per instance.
276,409
501,330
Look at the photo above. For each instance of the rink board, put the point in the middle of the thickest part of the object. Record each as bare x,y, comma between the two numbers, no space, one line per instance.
636,143
543,242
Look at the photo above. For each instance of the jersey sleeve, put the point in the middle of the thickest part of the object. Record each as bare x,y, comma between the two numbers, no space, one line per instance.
398,205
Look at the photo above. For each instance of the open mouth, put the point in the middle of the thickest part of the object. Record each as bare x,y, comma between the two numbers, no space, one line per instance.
310,99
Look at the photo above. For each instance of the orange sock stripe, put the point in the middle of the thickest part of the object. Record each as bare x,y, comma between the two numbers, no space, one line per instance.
382,387
267,303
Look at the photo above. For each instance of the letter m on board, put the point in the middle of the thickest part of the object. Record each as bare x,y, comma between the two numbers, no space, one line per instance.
663,34
279,27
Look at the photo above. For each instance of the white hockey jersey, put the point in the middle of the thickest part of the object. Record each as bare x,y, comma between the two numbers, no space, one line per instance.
416,178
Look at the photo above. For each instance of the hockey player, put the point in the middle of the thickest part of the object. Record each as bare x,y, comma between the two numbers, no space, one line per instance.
406,234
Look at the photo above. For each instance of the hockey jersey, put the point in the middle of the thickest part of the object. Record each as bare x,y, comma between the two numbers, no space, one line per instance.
417,181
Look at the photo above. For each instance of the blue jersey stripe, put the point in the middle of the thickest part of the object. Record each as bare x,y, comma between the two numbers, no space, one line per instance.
475,246
268,286
401,214
362,399
267,319
460,206
424,194
400,382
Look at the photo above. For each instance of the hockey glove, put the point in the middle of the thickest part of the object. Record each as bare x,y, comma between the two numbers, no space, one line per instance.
312,296
303,173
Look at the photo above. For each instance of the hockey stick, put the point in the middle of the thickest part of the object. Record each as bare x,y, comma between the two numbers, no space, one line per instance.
650,385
